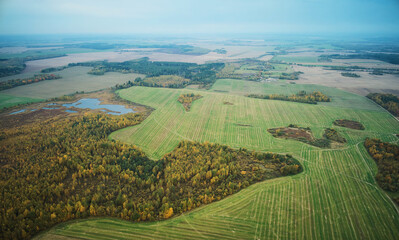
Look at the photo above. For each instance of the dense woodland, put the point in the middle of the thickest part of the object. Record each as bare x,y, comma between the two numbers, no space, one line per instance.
187,99
302,97
62,169
18,82
388,101
386,156
204,74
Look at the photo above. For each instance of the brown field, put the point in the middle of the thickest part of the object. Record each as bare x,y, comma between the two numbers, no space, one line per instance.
233,53
367,63
364,85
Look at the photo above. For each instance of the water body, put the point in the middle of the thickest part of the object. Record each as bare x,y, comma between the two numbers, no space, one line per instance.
70,111
95,103
20,111
51,108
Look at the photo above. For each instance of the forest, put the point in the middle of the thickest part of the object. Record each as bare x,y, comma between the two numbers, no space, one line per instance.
302,97
388,101
36,78
386,156
67,168
187,99
204,74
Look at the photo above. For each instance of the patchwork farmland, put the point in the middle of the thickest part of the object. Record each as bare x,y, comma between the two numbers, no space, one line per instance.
336,197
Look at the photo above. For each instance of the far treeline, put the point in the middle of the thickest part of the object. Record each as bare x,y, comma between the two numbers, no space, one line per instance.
385,57
62,169
388,101
14,66
18,82
204,74
302,97
386,156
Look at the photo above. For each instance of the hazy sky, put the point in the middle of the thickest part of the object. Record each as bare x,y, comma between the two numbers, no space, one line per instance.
198,16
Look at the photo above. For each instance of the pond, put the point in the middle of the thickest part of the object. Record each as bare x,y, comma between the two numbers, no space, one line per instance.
20,111
95,103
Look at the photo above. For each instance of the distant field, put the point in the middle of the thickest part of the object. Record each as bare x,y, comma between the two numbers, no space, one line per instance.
336,197
46,51
367,83
296,59
9,100
73,79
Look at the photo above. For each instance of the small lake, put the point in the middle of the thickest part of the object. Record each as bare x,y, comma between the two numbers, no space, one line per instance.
95,103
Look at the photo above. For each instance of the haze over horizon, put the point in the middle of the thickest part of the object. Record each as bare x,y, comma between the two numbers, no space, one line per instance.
191,17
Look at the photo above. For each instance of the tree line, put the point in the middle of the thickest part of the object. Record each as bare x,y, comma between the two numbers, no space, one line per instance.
388,101
386,156
18,82
302,97
204,74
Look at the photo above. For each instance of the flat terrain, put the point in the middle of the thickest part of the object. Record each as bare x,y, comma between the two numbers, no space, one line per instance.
9,100
367,83
336,197
233,53
73,79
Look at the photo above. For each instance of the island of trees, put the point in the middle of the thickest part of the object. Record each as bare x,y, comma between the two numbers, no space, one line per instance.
187,99
302,97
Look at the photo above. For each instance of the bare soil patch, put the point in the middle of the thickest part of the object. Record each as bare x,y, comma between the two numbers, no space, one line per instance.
292,133
349,124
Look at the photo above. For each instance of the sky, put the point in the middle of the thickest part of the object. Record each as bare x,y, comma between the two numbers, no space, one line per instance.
198,16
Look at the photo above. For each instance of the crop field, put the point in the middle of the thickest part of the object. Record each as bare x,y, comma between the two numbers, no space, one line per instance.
9,101
336,197
73,79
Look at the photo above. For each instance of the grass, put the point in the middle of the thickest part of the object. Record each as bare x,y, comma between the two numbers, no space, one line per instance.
336,197
9,100
73,79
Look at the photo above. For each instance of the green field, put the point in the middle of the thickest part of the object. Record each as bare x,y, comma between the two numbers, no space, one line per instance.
9,100
73,79
336,197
